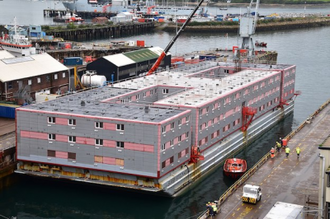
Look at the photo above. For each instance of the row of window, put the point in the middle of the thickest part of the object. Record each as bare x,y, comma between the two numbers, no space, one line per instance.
179,139
170,160
171,126
98,125
72,139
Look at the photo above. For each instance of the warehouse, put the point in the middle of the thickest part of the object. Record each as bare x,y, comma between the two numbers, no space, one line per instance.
120,66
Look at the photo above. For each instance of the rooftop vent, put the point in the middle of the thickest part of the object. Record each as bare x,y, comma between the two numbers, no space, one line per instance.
82,103
146,109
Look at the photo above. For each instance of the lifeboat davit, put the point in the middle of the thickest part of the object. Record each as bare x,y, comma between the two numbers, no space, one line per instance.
234,167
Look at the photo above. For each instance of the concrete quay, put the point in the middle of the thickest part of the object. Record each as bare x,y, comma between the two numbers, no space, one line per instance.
284,179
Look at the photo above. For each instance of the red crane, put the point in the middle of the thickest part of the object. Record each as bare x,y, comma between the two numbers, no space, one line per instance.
163,54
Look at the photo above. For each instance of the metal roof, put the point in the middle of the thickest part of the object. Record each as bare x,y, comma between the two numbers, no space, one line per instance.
4,54
134,56
141,55
119,60
30,66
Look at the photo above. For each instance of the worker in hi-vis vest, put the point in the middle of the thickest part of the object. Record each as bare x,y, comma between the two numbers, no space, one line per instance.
287,151
298,151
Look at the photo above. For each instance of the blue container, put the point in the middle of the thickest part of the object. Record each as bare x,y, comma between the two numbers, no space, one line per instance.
73,61
8,110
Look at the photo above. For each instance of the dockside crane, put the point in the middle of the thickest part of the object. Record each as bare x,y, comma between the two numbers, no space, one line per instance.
168,47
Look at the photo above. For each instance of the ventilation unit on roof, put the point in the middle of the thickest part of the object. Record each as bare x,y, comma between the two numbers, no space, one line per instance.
82,103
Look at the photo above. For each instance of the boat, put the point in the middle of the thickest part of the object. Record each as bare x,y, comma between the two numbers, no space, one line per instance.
260,44
234,167
118,6
68,17
159,133
16,42
223,8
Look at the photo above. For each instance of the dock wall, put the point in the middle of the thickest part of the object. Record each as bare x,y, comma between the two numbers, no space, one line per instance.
96,32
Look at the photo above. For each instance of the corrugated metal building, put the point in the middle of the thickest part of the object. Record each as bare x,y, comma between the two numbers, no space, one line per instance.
21,78
129,64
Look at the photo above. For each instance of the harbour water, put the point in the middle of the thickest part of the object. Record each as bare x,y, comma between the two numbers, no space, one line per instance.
37,198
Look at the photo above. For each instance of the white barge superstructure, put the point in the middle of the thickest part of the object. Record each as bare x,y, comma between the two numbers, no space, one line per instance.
159,133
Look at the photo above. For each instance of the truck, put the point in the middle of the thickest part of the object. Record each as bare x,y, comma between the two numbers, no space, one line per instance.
251,194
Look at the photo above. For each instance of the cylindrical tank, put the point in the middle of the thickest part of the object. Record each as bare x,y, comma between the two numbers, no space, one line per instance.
92,80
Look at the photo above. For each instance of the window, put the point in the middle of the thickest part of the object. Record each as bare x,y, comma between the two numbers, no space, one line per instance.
72,139
179,138
72,122
172,125
163,164
137,96
165,91
187,134
38,80
63,75
163,129
187,119
30,82
179,122
171,142
99,142
120,127
99,125
163,147
51,153
71,155
55,76
51,136
51,119
10,85
120,144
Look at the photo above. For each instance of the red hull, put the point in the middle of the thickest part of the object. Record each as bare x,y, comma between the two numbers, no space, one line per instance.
234,167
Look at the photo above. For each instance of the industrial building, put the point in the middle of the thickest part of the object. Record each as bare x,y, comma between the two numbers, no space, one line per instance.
21,78
120,66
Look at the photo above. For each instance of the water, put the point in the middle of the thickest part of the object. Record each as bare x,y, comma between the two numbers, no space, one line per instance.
36,198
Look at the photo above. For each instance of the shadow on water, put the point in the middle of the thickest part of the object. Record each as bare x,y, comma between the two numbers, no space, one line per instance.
40,198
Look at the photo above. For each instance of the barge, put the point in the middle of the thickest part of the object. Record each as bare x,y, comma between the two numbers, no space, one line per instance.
159,133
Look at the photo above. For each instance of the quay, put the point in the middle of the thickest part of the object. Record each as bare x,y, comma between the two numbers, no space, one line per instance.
288,180
87,33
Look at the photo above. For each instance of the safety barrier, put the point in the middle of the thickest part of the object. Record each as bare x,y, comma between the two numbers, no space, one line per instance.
252,170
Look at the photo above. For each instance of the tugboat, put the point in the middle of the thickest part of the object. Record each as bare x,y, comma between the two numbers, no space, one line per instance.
234,167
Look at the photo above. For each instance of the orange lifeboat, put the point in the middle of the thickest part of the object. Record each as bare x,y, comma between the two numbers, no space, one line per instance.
234,167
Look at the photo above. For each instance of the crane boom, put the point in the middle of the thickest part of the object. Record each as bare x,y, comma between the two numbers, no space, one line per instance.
168,47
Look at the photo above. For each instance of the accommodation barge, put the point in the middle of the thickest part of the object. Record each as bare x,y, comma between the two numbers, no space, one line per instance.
158,133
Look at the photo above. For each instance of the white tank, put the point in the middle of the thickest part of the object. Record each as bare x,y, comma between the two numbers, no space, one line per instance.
92,80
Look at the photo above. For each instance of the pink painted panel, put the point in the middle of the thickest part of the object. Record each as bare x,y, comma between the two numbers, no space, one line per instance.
229,112
61,154
168,127
25,134
109,160
83,140
167,162
109,143
133,98
61,121
183,137
167,145
147,93
183,120
63,138
148,148
39,135
216,119
175,141
133,146
109,126
204,111
210,123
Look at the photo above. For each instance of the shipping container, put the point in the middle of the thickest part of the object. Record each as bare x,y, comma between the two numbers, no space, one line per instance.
73,61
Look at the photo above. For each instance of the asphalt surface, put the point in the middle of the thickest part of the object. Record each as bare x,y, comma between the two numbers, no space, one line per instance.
284,179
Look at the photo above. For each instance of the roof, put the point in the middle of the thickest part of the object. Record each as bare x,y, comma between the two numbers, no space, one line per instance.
29,66
285,211
134,56
4,54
